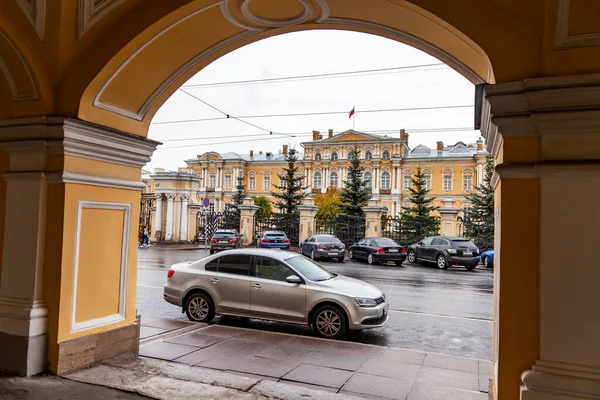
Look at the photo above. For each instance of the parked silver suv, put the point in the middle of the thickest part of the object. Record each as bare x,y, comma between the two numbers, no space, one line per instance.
275,285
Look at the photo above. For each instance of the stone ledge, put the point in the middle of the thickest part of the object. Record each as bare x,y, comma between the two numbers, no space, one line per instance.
86,351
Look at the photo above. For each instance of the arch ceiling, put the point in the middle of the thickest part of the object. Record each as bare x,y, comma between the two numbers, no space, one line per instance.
115,62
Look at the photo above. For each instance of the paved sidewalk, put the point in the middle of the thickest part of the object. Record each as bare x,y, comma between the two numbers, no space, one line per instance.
326,365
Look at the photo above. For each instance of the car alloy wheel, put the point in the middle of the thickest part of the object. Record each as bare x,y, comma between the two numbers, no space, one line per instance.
370,259
350,255
411,257
199,308
312,255
329,322
441,262
487,262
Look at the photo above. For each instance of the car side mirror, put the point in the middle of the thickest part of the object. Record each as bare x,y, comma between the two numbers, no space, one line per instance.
293,279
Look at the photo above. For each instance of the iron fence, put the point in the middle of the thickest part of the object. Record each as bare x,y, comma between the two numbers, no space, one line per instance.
147,201
480,230
207,222
348,228
288,223
391,227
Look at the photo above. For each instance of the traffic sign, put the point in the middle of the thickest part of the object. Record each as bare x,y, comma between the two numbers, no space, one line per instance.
206,202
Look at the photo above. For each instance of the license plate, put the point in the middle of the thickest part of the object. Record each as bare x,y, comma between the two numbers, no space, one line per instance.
467,253
393,250
223,241
333,254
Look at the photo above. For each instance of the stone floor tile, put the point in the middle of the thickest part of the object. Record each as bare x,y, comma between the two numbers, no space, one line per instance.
165,323
484,383
448,377
390,369
362,396
165,351
147,331
306,343
262,337
252,365
348,361
196,357
451,362
309,386
284,353
351,348
486,367
253,376
194,339
380,386
430,392
220,331
316,375
400,355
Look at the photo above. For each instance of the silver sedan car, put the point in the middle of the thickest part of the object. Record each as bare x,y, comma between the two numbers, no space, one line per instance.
275,285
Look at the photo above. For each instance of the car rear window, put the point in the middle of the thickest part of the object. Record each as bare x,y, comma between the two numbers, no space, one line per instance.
275,235
218,235
464,243
385,242
328,239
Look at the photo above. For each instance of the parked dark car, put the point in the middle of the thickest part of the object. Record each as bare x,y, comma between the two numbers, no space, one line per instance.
377,249
274,240
323,246
445,251
225,239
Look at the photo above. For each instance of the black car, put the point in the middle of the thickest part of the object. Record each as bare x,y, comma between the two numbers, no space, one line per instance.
445,251
377,249
323,246
225,239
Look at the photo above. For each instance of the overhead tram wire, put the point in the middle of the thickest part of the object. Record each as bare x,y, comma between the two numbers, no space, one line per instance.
228,116
366,72
311,113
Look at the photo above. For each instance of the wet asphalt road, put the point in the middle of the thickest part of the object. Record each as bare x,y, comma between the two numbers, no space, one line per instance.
447,312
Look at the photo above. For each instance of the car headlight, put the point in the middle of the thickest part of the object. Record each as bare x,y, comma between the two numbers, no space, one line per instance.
363,302
451,251
383,296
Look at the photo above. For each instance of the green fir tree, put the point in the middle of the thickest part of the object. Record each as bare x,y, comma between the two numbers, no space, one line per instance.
240,194
290,194
479,217
417,221
356,192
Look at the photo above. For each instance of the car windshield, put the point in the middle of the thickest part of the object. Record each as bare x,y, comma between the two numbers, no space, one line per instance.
385,242
309,269
464,243
218,235
328,239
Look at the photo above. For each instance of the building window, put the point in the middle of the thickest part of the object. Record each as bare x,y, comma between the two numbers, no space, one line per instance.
368,155
369,179
211,208
467,181
386,155
333,179
447,181
227,181
318,156
212,181
385,180
351,155
252,183
282,183
334,156
317,180
407,181
427,179
266,182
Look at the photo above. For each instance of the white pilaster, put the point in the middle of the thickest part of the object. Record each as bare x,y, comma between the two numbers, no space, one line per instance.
158,217
170,216
183,224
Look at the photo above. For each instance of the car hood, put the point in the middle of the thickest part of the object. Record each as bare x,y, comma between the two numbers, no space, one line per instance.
351,287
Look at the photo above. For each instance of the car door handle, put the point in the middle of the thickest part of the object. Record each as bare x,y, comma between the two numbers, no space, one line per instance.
214,280
256,286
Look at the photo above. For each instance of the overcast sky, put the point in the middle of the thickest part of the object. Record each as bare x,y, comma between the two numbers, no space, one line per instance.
312,53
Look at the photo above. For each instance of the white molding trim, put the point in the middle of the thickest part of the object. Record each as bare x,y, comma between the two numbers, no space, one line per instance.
567,380
308,10
35,11
120,316
545,169
562,39
23,317
70,177
90,13
14,90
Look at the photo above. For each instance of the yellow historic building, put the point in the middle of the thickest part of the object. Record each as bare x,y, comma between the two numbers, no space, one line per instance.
451,173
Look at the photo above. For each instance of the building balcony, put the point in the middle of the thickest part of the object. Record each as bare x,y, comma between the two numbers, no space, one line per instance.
313,190
385,191
210,189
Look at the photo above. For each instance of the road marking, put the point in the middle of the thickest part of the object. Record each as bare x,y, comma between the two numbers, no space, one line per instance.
442,315
151,286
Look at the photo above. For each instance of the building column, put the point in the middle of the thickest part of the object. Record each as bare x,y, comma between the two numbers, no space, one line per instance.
158,218
545,135
325,185
373,213
170,216
308,211
375,180
69,240
183,224
247,211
